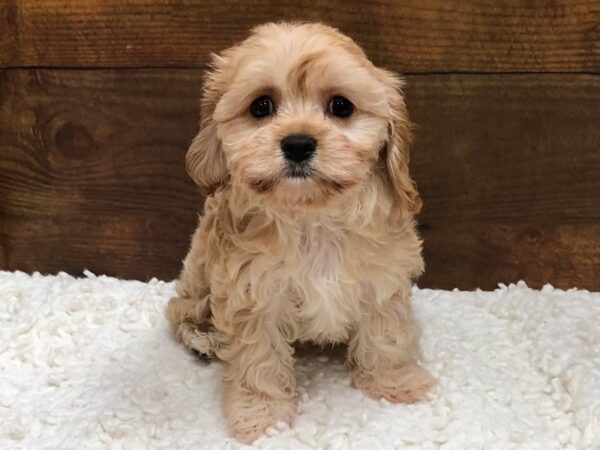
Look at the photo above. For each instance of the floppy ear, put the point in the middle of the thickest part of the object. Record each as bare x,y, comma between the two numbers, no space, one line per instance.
395,154
205,160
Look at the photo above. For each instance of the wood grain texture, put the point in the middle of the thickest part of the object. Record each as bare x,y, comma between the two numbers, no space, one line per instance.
483,254
92,171
509,170
410,36
92,174
507,148
9,45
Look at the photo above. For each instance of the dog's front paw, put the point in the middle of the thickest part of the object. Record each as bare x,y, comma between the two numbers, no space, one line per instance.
408,384
249,415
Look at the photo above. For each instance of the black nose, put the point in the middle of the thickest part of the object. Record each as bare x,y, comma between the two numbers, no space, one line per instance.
298,147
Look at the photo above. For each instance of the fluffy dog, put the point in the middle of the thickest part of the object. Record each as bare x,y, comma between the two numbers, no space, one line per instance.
308,231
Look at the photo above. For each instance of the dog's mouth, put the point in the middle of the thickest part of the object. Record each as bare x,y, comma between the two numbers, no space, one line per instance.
299,170
302,183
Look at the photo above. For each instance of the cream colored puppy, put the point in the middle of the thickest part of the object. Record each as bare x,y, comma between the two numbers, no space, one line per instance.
308,230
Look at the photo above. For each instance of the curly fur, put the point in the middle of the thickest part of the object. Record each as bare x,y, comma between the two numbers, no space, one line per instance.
326,259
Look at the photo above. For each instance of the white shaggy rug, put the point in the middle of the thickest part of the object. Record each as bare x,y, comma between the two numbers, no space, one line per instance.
91,363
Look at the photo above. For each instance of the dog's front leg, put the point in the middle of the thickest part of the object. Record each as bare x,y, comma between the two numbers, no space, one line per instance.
383,352
259,385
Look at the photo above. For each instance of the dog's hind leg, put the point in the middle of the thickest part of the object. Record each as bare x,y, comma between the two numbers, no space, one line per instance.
190,310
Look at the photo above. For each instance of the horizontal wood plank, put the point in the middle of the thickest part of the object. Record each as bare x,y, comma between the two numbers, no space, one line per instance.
92,174
92,170
507,148
481,255
412,36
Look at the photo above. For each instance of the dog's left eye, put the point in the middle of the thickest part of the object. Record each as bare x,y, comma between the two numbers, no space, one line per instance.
340,106
262,107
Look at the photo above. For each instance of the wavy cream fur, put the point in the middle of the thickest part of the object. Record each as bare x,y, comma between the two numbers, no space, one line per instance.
326,259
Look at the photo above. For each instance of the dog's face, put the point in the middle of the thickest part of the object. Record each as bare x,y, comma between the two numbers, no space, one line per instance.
297,114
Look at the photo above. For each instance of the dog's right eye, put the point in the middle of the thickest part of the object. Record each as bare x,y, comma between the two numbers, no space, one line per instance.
262,107
340,107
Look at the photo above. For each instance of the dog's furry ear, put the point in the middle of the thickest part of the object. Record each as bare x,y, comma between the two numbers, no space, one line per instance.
395,154
205,160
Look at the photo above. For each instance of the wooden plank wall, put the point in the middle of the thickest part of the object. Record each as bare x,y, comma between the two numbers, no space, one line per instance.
99,100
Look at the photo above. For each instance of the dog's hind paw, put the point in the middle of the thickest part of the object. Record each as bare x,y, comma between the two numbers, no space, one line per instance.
205,343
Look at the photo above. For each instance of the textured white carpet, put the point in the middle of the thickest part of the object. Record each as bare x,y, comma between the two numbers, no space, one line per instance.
91,363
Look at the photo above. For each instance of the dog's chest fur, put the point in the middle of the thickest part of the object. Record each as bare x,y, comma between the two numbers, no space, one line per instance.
313,274
329,272
319,285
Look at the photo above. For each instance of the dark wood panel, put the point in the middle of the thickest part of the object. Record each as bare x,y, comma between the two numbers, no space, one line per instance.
408,36
92,174
480,255
9,46
92,170
507,148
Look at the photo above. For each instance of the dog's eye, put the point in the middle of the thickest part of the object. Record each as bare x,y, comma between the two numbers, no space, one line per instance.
262,107
340,106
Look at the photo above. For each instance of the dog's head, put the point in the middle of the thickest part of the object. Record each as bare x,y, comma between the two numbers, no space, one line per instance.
297,114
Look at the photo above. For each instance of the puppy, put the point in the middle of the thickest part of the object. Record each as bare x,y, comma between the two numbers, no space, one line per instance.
308,231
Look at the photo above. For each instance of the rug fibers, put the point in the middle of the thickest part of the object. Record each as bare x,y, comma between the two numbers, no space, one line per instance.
91,363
